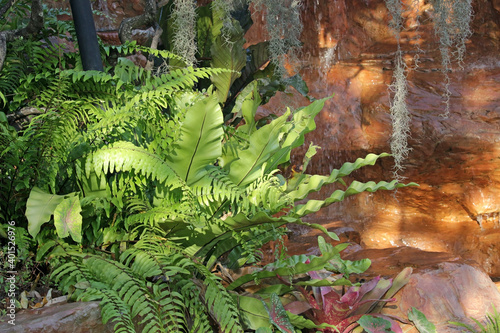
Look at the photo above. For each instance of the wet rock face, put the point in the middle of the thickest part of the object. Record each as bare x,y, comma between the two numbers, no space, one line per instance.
455,159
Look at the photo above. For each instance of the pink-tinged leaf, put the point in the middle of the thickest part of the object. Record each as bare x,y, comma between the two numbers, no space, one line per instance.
334,310
395,326
368,286
312,301
375,294
355,308
298,307
68,220
313,274
278,315
351,296
348,324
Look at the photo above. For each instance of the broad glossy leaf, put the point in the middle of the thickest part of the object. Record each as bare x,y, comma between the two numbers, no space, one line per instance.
248,103
200,141
301,124
227,55
68,220
263,144
253,312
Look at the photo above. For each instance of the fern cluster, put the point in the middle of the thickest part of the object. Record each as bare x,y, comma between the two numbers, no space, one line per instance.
153,287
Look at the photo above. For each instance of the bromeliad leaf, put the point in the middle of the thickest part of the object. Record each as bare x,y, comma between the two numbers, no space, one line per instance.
68,220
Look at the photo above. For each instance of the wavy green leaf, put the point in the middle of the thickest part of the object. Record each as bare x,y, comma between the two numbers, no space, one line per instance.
302,184
356,187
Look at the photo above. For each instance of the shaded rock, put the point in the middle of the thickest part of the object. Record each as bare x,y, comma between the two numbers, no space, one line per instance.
78,317
452,292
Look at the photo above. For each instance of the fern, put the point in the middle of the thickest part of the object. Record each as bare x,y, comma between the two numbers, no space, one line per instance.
152,285
214,295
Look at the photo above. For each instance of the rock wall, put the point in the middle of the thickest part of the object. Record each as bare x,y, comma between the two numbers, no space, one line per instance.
349,51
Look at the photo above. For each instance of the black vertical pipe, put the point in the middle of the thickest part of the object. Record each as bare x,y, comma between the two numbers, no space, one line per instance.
86,35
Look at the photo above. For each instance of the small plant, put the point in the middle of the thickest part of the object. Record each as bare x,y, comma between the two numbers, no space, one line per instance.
492,324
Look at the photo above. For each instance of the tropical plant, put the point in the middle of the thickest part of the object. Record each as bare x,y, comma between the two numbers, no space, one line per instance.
327,305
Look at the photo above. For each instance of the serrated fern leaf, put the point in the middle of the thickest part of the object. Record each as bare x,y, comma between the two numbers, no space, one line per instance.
130,289
125,156
220,304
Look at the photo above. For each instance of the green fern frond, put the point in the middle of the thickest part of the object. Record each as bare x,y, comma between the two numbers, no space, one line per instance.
168,216
129,288
219,188
125,156
267,193
112,308
215,294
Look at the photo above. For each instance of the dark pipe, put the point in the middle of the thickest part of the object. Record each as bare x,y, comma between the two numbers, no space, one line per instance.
86,35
